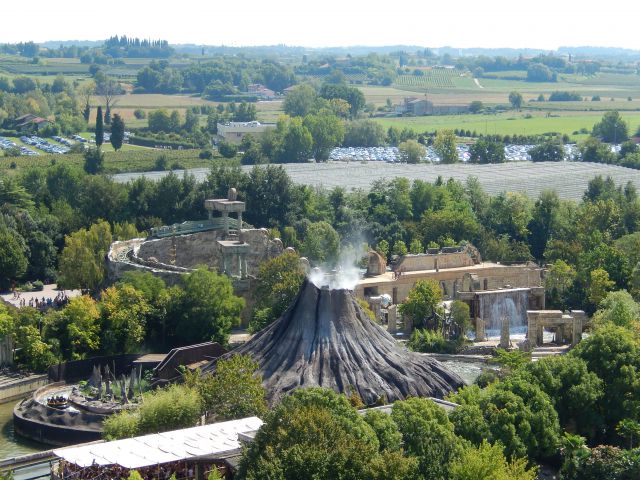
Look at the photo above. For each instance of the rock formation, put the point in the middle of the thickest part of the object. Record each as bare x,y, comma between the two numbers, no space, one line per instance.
325,339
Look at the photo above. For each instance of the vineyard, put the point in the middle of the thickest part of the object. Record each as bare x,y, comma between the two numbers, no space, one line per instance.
137,160
433,78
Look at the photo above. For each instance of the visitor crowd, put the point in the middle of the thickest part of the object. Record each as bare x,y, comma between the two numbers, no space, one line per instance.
59,301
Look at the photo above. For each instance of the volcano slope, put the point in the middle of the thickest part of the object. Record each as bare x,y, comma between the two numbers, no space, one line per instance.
325,339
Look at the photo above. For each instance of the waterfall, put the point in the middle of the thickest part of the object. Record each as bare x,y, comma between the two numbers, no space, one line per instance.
512,304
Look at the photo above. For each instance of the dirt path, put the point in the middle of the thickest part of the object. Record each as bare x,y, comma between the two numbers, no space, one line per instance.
477,83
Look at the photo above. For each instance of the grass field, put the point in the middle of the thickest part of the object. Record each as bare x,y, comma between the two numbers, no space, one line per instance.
509,123
132,159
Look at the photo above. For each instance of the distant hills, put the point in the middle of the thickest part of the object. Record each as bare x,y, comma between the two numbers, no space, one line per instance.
194,49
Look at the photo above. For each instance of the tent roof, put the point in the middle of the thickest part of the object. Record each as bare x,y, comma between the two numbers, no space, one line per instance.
165,447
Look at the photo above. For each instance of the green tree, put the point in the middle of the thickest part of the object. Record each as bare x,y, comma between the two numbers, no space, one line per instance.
598,286
487,462
93,161
399,248
364,133
316,433
548,151
300,101
612,128
593,150
83,328
205,310
117,132
321,242
461,316
296,141
515,99
13,259
429,436
487,151
99,131
423,301
612,354
81,262
327,131
516,413
476,106
618,308
576,393
234,391
277,284
124,313
227,150
559,280
445,146
415,247
412,151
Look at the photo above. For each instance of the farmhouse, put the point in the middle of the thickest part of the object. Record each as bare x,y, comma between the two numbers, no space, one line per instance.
422,106
260,91
29,122
234,132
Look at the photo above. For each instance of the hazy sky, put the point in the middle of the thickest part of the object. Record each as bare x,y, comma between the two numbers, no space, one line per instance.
460,23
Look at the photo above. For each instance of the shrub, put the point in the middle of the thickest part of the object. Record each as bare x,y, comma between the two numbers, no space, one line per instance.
429,341
37,286
139,114
205,155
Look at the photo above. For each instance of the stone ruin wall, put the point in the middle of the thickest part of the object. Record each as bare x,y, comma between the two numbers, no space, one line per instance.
202,249
154,255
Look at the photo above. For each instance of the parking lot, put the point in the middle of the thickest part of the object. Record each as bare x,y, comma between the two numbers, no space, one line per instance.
513,153
34,145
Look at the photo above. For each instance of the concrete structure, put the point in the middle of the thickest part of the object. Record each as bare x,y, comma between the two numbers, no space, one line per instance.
260,91
29,122
490,289
222,243
234,132
568,326
421,106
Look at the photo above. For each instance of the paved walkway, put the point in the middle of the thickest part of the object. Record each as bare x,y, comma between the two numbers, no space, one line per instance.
49,291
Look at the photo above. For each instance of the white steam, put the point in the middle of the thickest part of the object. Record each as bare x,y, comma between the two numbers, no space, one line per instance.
345,274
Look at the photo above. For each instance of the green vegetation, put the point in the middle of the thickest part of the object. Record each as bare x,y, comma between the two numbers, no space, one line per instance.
233,392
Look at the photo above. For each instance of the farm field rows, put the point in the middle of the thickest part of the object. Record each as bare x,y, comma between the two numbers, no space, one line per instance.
569,179
508,123
132,159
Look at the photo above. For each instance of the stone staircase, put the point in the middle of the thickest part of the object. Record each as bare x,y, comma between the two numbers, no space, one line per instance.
548,350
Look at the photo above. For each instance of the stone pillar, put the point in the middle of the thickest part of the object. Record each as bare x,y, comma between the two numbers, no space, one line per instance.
239,221
408,324
481,335
392,316
225,263
505,340
225,223
532,333
576,334
243,265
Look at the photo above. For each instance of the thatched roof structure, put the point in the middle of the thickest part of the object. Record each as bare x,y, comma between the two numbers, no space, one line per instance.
325,339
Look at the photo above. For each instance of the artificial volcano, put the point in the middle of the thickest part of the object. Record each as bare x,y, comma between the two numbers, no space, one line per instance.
325,339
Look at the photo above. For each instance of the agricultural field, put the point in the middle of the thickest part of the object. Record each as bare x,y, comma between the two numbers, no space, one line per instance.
449,87
510,122
132,159
569,179
435,78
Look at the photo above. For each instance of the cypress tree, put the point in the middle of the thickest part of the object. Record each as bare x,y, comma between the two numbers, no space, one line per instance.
117,132
99,128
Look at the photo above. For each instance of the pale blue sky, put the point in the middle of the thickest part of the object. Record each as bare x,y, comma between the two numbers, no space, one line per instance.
461,23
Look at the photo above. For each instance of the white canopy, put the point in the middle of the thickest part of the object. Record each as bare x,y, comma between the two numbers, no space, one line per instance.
159,448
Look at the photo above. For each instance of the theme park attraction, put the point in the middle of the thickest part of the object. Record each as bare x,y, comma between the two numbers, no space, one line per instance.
325,339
